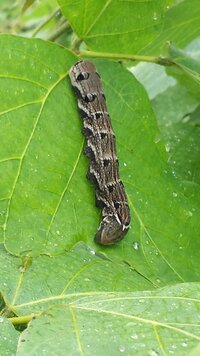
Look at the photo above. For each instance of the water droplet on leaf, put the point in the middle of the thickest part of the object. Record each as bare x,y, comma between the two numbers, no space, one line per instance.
134,336
136,245
153,353
155,16
122,348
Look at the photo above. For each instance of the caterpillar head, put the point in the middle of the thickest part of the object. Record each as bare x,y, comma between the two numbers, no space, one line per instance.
111,230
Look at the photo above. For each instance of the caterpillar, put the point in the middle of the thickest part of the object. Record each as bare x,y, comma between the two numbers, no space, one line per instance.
101,150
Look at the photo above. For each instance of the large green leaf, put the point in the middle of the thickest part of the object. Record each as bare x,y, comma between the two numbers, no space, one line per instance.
177,109
91,304
114,25
89,296
142,323
187,70
131,26
132,324
33,285
180,131
42,166
180,25
8,337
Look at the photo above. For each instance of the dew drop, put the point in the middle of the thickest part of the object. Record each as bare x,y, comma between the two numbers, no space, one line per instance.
189,213
157,138
174,194
22,269
122,348
167,147
86,279
125,164
153,353
186,119
134,336
1,320
136,245
155,16
184,344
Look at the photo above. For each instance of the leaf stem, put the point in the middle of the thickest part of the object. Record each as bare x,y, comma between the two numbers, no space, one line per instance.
75,43
132,57
17,320
48,19
59,31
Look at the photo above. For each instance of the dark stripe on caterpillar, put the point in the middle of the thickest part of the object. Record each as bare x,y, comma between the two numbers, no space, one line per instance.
101,151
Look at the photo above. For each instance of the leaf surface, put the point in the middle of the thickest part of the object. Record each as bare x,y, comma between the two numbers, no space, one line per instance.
180,130
165,321
187,70
48,217
180,25
42,209
8,337
91,304
115,26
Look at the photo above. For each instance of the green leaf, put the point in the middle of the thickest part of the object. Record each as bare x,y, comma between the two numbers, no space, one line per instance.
187,70
141,323
180,131
195,351
8,337
153,77
54,280
180,25
32,285
27,4
42,166
87,300
115,26
177,111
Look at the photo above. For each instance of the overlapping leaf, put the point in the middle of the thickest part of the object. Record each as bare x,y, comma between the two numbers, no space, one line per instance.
112,324
187,71
180,25
115,26
8,337
90,303
181,131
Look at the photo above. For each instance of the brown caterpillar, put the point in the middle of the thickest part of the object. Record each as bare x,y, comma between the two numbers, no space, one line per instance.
101,151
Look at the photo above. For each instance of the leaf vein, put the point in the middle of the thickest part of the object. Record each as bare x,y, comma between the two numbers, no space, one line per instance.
27,146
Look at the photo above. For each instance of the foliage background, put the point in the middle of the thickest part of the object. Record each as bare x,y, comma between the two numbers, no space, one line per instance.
60,293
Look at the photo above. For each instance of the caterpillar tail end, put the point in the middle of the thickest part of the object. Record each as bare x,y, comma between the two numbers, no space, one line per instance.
110,231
